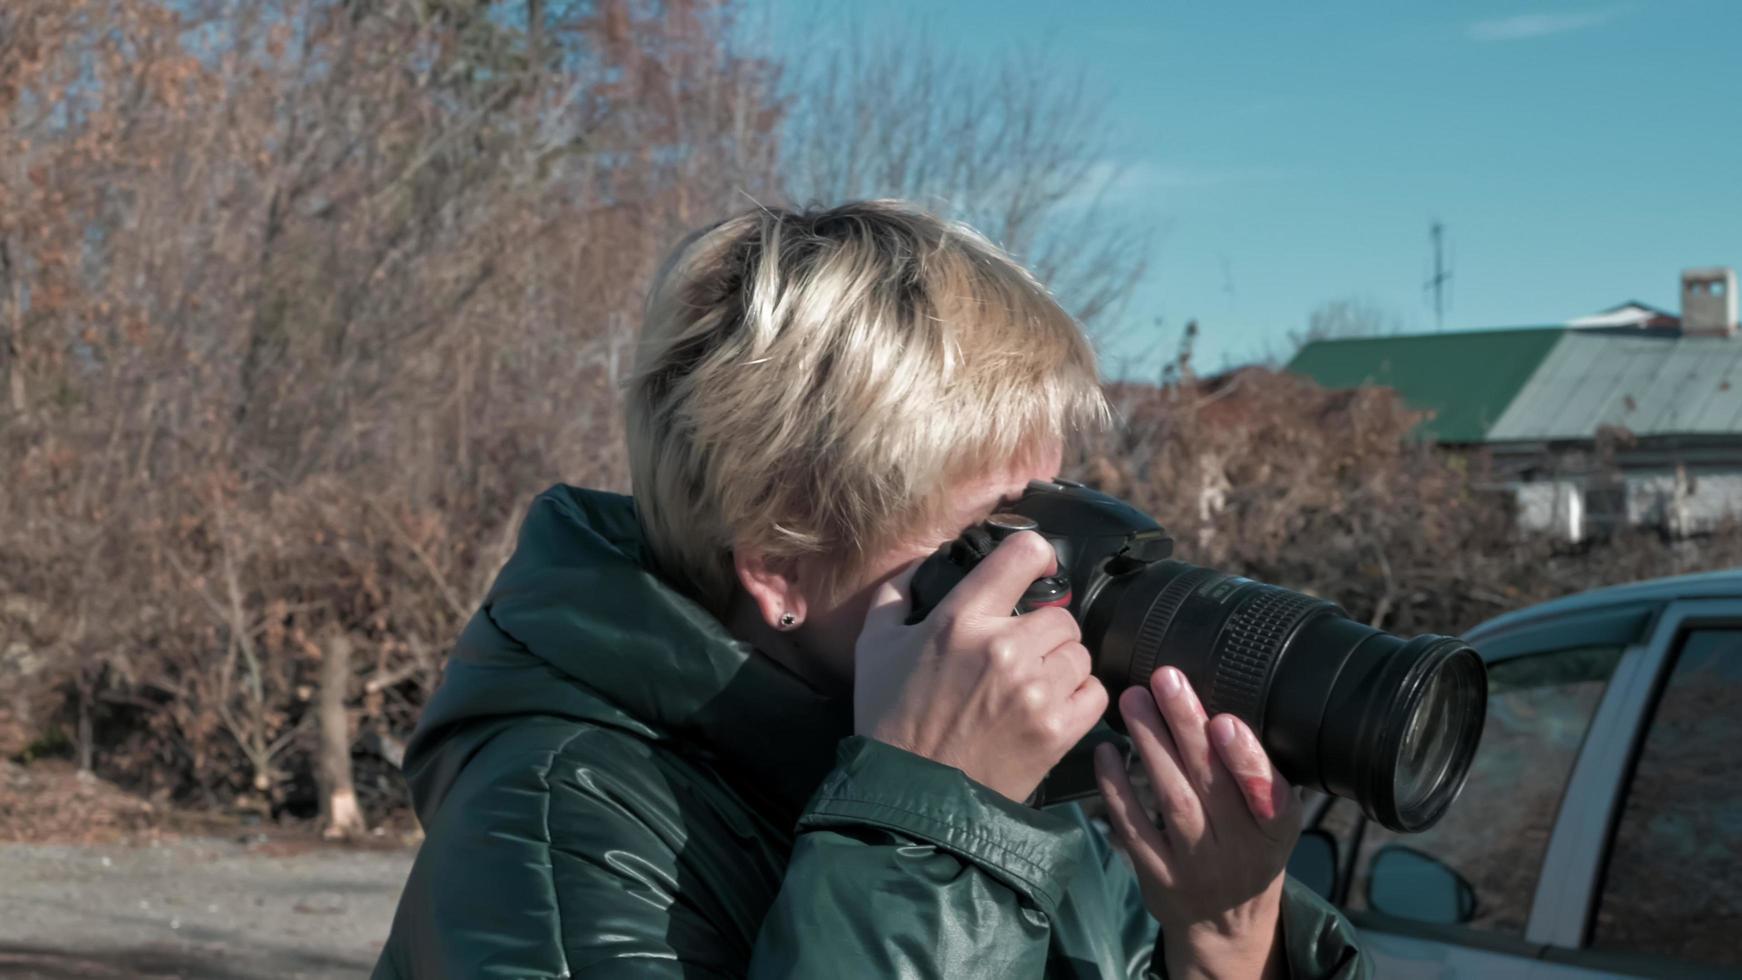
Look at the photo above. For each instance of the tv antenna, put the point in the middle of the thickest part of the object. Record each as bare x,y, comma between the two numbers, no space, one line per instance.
1440,282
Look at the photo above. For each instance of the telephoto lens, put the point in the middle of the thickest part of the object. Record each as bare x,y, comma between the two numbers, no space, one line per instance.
1389,722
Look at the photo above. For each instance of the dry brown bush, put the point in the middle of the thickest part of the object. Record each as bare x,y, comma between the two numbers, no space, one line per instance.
1265,474
302,300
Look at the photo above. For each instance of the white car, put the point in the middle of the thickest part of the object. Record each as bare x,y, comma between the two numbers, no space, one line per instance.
1600,832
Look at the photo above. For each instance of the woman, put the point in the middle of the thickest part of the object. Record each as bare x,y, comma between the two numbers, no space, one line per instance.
691,735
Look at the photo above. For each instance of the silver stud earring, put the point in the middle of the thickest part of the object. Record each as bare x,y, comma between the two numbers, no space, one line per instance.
788,621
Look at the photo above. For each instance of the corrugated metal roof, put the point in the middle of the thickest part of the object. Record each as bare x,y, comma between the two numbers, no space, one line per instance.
1650,386
1466,378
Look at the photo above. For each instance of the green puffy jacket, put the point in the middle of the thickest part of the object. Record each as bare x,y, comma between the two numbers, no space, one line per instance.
613,786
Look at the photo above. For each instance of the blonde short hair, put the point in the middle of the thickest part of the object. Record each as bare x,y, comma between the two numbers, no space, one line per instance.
813,382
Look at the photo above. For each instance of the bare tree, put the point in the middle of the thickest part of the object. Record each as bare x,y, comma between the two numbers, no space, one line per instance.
300,301
1351,316
1018,149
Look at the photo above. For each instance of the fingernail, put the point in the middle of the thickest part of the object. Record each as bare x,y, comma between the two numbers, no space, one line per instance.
1224,731
1170,681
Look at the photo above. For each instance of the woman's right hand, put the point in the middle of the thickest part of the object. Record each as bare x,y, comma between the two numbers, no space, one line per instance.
1000,697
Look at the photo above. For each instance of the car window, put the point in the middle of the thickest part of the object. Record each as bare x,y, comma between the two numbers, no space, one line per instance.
1495,834
1674,880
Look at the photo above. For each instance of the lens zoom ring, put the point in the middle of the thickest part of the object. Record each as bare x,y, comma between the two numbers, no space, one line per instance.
1248,648
1156,621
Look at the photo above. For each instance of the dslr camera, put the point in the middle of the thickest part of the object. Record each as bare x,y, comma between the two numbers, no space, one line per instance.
1389,722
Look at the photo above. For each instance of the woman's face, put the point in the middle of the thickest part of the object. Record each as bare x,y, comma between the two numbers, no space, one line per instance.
831,631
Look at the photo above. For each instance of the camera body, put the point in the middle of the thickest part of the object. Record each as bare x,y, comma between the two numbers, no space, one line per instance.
1096,537
1102,543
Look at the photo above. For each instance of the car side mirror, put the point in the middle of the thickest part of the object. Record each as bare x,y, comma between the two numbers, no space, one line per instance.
1314,863
1408,884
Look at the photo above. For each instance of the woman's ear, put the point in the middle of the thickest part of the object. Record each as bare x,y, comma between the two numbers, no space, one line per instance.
772,584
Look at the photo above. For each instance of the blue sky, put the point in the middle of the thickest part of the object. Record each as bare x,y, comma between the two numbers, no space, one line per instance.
1288,153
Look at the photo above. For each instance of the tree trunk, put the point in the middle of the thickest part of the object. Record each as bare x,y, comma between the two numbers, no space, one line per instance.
340,817
12,341
87,735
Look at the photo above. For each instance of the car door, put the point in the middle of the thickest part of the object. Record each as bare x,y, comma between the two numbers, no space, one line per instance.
1648,878
1458,900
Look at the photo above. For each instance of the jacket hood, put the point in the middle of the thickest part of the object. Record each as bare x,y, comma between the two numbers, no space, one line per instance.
578,626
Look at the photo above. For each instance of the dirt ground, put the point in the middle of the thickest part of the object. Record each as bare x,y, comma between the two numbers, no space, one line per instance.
196,908
97,882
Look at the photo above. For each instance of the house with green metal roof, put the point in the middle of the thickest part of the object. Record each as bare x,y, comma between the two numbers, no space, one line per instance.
1467,379
1663,392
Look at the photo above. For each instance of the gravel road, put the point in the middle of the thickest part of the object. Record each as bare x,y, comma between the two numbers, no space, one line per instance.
195,908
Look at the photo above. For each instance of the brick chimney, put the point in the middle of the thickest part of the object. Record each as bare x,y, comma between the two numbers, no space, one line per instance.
1709,302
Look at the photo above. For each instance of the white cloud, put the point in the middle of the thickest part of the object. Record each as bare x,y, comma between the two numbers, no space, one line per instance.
1524,27
1123,183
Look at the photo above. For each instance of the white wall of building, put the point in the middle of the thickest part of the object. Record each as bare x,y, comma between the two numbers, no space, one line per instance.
1556,506
1675,500
1683,503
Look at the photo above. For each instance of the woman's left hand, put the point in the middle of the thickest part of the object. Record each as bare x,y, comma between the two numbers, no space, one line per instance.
1211,869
